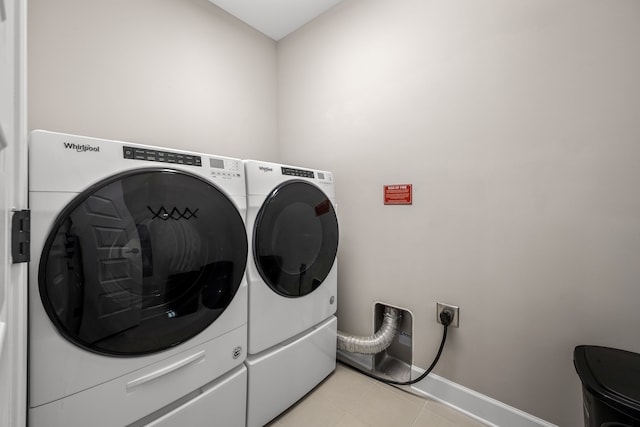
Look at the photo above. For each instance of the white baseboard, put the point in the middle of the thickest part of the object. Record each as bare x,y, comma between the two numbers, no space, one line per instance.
483,408
473,404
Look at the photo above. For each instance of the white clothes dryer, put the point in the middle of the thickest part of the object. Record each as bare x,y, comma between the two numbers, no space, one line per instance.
137,289
292,276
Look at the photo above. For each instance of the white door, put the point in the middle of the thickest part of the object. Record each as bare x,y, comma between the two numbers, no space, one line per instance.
13,196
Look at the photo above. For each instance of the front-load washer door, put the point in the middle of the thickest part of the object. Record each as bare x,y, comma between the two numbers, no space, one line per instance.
142,261
295,238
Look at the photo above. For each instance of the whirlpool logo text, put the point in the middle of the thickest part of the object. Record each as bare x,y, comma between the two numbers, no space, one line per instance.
81,148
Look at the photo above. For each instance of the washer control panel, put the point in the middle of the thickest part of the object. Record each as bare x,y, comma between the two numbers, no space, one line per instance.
325,176
225,168
160,156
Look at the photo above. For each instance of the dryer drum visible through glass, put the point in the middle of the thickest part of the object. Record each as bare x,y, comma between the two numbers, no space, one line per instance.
295,238
142,261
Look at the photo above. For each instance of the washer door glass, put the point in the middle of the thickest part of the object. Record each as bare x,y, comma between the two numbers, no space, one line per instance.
295,238
142,262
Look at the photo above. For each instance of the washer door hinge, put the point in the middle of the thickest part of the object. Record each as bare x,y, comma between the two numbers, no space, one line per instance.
21,236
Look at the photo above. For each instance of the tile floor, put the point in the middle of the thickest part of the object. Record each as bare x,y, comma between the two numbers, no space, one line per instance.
349,399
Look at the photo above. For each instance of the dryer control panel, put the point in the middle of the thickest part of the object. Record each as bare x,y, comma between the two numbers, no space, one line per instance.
304,173
297,172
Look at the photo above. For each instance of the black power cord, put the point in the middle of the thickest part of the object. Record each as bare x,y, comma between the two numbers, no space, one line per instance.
446,317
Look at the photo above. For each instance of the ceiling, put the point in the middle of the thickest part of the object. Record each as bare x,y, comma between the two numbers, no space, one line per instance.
276,18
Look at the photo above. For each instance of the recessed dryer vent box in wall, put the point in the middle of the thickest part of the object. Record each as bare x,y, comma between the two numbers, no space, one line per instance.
396,360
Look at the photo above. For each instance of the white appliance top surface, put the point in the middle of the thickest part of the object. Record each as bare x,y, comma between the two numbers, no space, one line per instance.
63,162
263,177
276,18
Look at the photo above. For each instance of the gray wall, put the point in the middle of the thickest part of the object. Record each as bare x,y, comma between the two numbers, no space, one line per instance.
174,73
518,123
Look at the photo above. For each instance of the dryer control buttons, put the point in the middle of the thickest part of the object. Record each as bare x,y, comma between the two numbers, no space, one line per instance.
135,153
298,172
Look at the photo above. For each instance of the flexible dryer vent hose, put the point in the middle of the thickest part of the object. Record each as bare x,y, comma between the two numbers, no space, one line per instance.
377,342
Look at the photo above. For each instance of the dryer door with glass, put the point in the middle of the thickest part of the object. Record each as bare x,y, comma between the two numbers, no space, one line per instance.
295,239
142,261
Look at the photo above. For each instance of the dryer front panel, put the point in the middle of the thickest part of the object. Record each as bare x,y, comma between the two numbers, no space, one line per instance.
295,239
142,261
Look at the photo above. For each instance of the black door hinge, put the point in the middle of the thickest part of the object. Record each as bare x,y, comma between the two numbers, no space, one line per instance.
21,236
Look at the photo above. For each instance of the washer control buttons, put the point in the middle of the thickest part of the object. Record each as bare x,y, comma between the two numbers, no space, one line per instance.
161,156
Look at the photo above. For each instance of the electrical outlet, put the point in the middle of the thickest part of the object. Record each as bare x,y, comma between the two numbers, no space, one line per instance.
440,307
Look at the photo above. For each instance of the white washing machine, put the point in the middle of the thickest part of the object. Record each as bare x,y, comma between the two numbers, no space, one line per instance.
292,277
137,289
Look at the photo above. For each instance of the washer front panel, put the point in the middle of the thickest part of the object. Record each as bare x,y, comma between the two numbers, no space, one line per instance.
142,261
295,238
